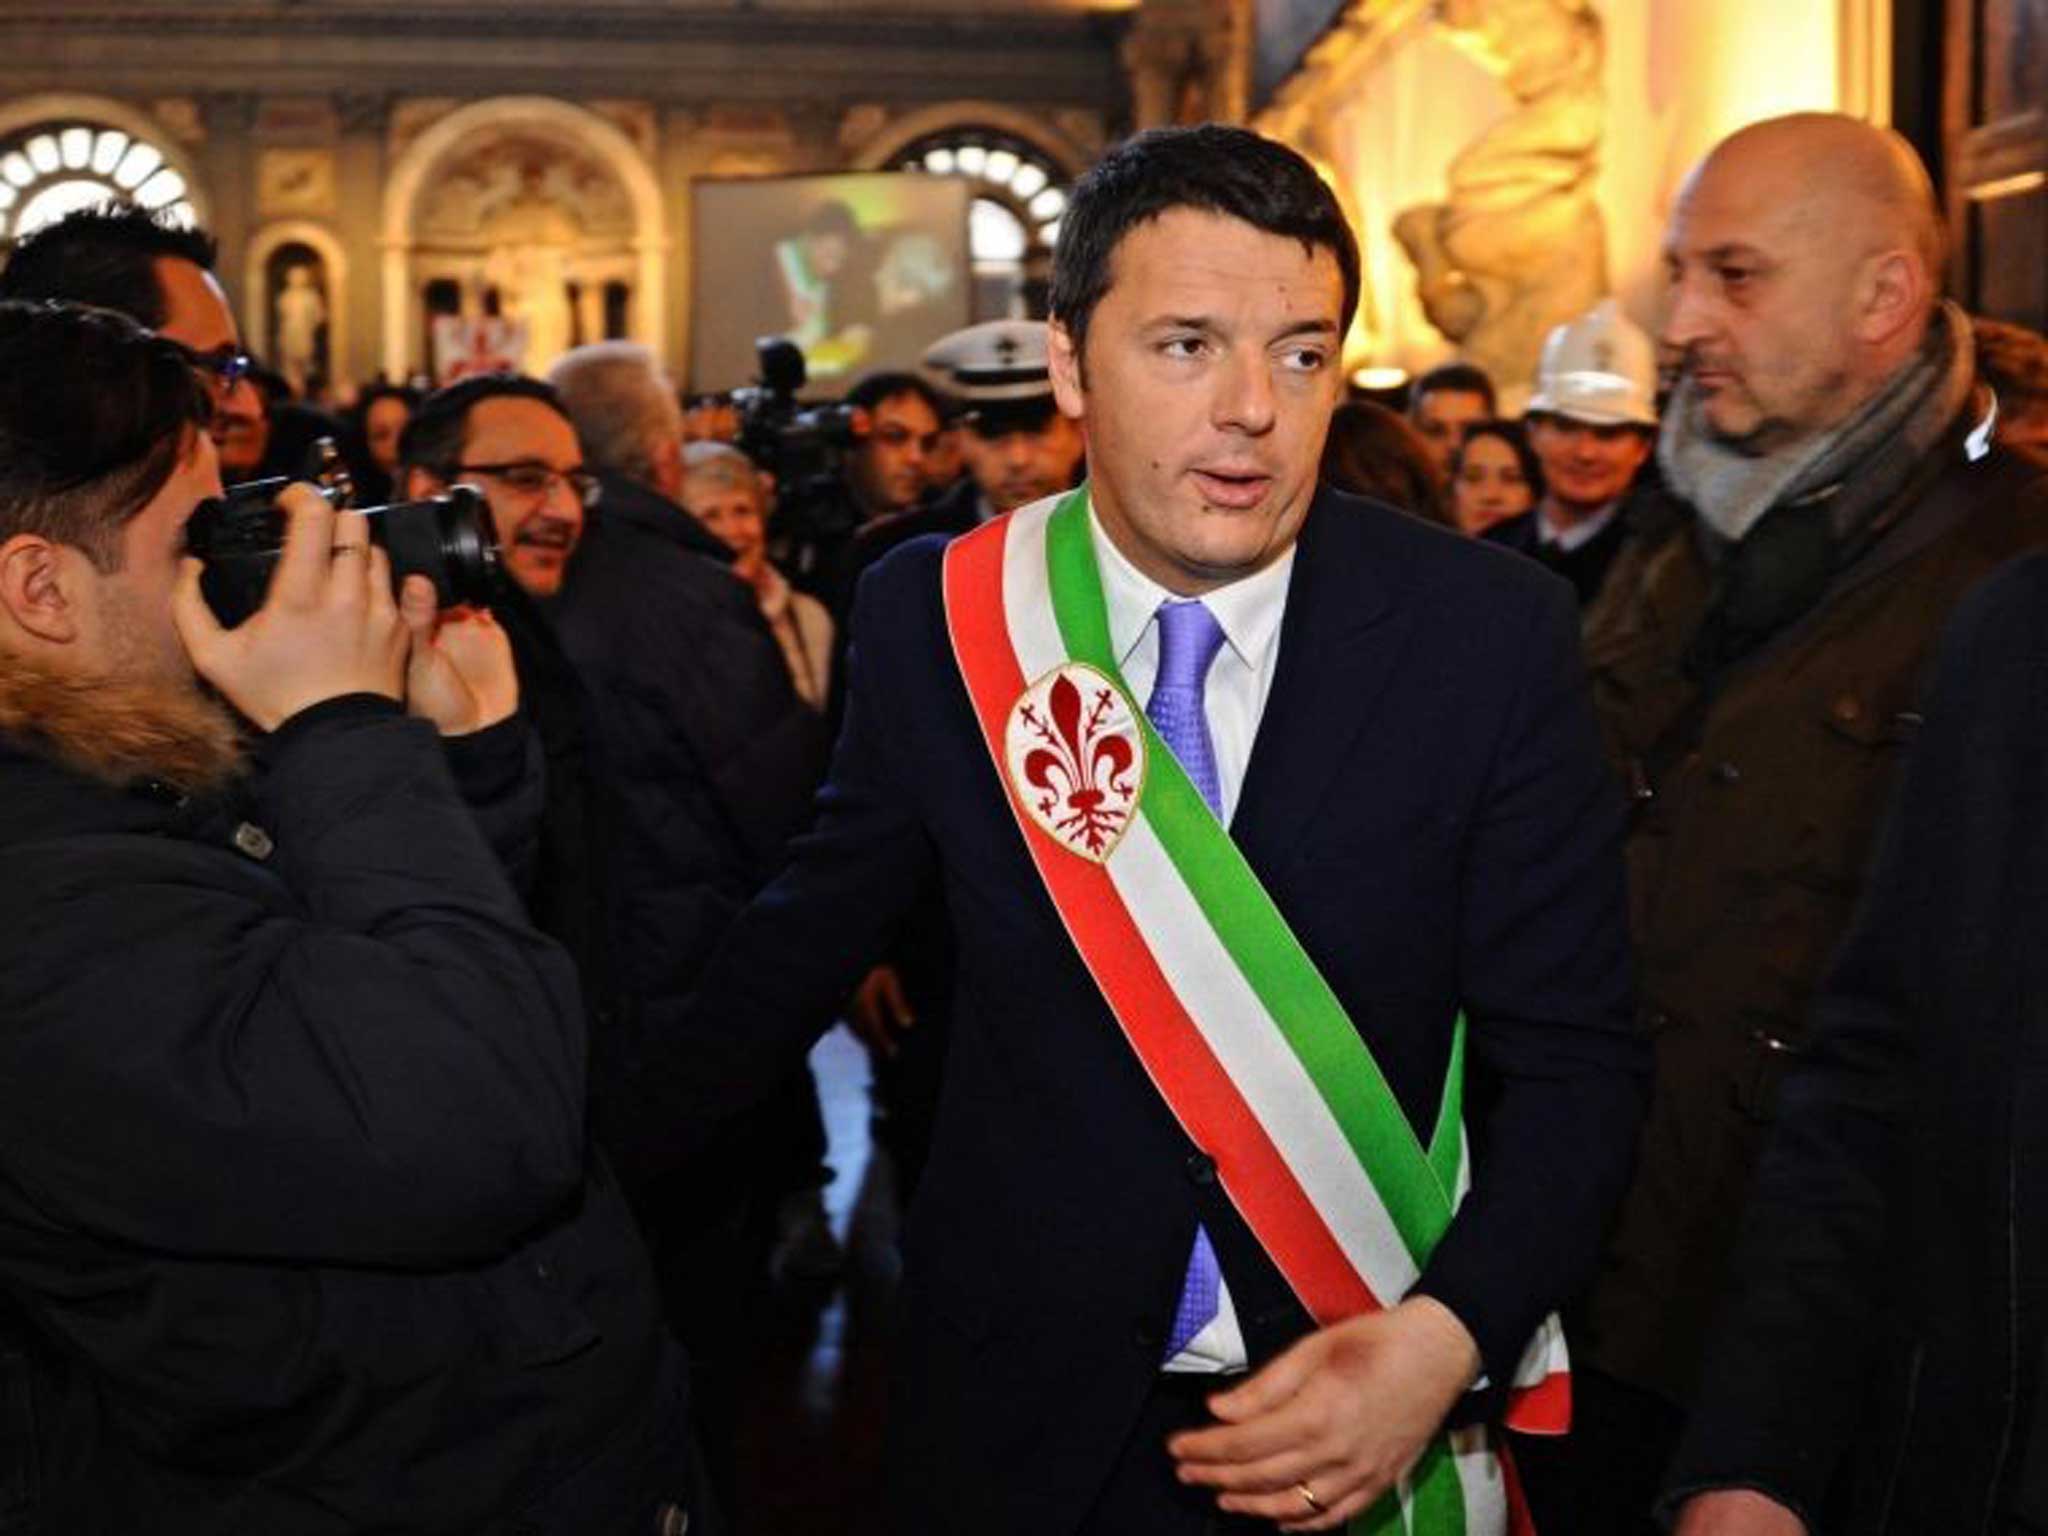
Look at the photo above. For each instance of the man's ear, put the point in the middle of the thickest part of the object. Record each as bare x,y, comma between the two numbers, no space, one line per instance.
1893,293
665,465
36,588
1063,362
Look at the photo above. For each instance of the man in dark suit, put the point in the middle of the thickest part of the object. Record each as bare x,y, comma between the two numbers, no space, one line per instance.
1392,725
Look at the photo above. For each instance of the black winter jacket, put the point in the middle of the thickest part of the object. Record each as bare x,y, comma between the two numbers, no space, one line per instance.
703,758
292,1174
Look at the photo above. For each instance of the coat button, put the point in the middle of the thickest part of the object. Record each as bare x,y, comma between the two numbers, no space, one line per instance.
1201,1168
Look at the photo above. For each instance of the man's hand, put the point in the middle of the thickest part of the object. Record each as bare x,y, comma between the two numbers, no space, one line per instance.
880,1013
328,626
461,675
1737,1512
1343,1414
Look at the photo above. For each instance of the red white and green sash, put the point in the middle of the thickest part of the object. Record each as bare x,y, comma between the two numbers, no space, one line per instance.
1230,1017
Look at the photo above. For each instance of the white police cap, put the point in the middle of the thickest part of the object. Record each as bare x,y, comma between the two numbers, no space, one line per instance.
992,363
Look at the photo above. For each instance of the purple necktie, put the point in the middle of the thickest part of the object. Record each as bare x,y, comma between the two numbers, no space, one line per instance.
1189,638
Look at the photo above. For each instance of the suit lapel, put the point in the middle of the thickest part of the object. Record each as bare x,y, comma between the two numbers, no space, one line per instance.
1338,641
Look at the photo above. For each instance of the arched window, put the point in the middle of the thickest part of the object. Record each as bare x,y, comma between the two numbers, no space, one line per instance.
56,168
1013,222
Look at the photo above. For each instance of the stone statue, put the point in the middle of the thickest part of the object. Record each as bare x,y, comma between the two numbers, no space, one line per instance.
299,312
1518,246
533,291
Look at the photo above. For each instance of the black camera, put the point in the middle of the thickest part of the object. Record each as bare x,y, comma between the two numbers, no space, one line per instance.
448,539
791,442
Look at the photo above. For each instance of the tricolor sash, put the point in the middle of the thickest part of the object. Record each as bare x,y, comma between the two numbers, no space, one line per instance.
1230,1017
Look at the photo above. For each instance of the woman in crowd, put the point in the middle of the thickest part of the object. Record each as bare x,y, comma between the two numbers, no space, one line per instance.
1495,476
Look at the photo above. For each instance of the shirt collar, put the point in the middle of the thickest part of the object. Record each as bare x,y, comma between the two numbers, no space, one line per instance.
1582,532
1248,610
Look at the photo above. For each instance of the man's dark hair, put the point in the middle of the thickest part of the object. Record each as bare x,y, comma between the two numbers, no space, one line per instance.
95,415
432,440
106,257
1217,169
873,388
1454,379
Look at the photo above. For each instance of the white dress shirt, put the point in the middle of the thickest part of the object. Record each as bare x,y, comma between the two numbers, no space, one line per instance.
1249,611
1569,537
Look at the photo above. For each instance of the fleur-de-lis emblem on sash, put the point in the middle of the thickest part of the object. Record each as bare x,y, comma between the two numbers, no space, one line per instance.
1077,759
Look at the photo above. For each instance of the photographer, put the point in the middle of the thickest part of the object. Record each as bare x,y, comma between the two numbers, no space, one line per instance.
290,1093
884,475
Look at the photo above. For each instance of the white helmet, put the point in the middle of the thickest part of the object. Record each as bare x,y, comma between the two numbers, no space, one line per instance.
1600,368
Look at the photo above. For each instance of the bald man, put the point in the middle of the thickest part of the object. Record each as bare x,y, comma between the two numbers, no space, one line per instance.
1757,656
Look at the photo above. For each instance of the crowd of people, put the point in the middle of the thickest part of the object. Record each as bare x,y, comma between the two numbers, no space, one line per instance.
1426,972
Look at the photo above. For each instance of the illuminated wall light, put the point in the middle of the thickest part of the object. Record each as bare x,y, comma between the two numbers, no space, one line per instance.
1050,233
181,214
1029,181
1379,378
55,200
939,162
993,232
75,145
1002,166
1049,204
42,153
2009,186
8,197
137,165
164,187
106,151
16,169
972,159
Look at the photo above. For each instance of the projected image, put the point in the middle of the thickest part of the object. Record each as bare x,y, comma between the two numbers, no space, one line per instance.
860,271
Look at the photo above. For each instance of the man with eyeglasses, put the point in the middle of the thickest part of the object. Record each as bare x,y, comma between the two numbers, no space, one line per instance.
128,259
506,436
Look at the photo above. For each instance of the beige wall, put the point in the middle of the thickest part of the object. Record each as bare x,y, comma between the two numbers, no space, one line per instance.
1680,74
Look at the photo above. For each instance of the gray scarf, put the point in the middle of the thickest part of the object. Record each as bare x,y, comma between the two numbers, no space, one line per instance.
1851,467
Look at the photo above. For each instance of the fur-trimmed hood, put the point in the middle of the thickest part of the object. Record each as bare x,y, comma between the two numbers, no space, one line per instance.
117,733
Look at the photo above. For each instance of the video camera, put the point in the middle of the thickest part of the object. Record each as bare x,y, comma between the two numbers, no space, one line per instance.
448,539
793,443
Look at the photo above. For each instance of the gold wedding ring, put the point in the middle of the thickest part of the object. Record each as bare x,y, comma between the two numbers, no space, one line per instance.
1308,1497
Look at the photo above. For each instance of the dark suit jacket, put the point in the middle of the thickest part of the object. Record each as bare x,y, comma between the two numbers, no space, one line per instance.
1427,803
1585,567
1889,1316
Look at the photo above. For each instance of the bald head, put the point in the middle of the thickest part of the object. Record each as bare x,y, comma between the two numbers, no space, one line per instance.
1839,173
1805,257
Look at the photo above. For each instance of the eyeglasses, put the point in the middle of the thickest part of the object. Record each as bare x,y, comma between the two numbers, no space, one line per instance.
538,480
223,363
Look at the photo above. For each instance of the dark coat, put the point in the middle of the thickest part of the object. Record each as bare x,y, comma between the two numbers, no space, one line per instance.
1427,805
706,758
1757,805
1585,567
1891,1301
294,1185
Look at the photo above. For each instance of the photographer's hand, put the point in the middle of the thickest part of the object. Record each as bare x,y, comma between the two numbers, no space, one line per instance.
461,675
328,626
